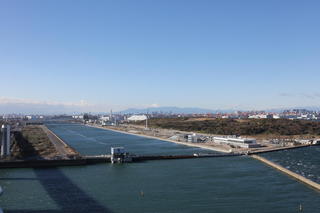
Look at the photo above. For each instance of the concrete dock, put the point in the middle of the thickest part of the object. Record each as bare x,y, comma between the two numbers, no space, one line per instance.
288,172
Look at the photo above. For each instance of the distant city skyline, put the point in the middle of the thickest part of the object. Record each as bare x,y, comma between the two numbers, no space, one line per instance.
80,56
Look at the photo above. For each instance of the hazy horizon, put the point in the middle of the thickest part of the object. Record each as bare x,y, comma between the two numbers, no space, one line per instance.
71,56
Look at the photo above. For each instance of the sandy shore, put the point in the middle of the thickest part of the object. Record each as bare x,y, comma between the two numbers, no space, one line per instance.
217,149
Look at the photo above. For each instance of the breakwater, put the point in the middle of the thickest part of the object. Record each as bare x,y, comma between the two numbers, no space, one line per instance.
275,149
288,172
89,160
172,157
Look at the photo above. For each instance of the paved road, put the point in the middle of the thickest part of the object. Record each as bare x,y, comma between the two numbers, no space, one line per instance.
64,150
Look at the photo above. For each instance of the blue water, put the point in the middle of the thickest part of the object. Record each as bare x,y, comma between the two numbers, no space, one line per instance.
92,141
228,184
304,161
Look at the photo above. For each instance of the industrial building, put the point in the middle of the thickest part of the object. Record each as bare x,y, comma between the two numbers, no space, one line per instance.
194,138
5,140
237,141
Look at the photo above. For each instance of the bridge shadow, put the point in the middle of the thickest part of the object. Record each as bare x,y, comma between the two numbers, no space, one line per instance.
62,190
66,194
18,179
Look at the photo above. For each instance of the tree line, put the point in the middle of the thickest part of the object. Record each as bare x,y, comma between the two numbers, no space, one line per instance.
240,127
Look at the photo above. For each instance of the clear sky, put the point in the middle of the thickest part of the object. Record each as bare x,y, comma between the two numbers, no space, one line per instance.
116,54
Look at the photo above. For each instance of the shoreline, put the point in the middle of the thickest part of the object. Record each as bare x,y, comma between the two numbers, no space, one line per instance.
164,139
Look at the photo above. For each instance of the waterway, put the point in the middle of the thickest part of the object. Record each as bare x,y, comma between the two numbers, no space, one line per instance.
303,161
229,184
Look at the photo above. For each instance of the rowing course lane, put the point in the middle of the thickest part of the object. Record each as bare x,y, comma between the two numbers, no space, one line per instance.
94,141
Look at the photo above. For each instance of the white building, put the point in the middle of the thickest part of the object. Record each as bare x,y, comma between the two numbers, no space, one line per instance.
29,117
137,118
276,116
104,118
77,116
237,141
261,116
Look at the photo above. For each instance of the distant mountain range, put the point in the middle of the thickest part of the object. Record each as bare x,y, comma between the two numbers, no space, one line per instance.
174,110
29,107
195,110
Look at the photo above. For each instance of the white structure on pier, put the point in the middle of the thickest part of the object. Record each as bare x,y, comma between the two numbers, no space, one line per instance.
118,155
5,140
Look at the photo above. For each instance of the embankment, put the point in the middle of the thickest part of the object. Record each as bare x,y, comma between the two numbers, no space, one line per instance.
62,147
288,172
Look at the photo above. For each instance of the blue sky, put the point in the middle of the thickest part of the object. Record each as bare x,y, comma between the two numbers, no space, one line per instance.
124,53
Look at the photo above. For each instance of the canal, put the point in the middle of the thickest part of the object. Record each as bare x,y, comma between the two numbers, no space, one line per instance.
228,184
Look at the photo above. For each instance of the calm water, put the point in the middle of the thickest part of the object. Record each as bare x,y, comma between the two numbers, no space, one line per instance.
91,141
231,184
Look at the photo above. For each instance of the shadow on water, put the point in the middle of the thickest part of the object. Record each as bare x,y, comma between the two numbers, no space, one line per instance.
18,179
66,194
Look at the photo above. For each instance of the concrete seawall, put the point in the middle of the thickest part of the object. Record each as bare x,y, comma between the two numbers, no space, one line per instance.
288,172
